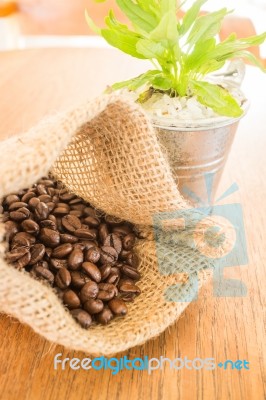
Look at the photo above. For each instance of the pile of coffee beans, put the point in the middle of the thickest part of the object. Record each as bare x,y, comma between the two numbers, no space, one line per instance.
60,239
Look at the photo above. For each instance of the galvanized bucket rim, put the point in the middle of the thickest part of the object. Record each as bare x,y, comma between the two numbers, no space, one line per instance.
173,124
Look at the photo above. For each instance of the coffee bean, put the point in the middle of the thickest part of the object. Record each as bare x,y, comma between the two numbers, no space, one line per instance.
16,205
41,211
21,237
129,241
16,254
33,202
105,271
71,223
130,272
62,251
20,214
77,200
50,206
60,211
105,316
45,198
78,279
93,306
89,291
67,196
82,317
22,262
118,307
114,276
122,229
92,271
106,291
45,274
41,189
89,212
85,234
37,252
50,237
114,241
47,223
30,226
27,196
77,213
130,288
108,255
78,207
12,198
48,252
132,259
93,254
75,259
11,229
67,238
71,299
103,232
92,222
57,264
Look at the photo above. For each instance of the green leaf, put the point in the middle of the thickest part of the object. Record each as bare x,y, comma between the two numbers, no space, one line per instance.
190,16
168,6
91,23
123,41
252,58
217,98
206,27
135,83
166,29
162,82
199,54
150,49
142,19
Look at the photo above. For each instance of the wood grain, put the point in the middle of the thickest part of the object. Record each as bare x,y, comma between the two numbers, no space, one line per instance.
38,82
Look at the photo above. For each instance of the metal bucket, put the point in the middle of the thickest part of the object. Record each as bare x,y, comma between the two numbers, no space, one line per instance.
197,148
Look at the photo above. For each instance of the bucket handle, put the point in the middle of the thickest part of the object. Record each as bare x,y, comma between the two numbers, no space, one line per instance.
234,74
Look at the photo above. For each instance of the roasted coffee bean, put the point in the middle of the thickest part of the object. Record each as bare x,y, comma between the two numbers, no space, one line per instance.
105,271
27,196
106,291
129,241
82,317
57,264
85,234
89,212
50,237
88,244
103,232
60,211
93,306
5,217
89,291
37,252
78,207
50,206
62,251
130,272
132,259
92,222
20,214
20,238
71,223
122,229
30,226
45,198
22,262
114,241
108,255
16,254
105,316
46,182
93,254
75,259
16,205
48,252
41,211
92,271
42,263
77,200
51,218
71,299
118,307
50,191
41,189
67,196
45,274
78,279
47,223
11,229
77,213
114,276
67,238
59,225
1,209
33,202
12,198
129,288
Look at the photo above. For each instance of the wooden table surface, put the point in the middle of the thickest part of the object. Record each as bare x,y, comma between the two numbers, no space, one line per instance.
34,83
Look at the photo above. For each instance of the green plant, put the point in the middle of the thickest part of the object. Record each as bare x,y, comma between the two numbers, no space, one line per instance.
182,51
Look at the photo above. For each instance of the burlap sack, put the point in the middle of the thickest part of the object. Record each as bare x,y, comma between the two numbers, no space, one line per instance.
105,151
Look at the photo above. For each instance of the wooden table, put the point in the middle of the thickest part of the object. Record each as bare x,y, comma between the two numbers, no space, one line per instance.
35,83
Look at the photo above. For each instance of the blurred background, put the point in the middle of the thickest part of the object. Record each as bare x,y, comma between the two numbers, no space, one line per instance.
61,23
